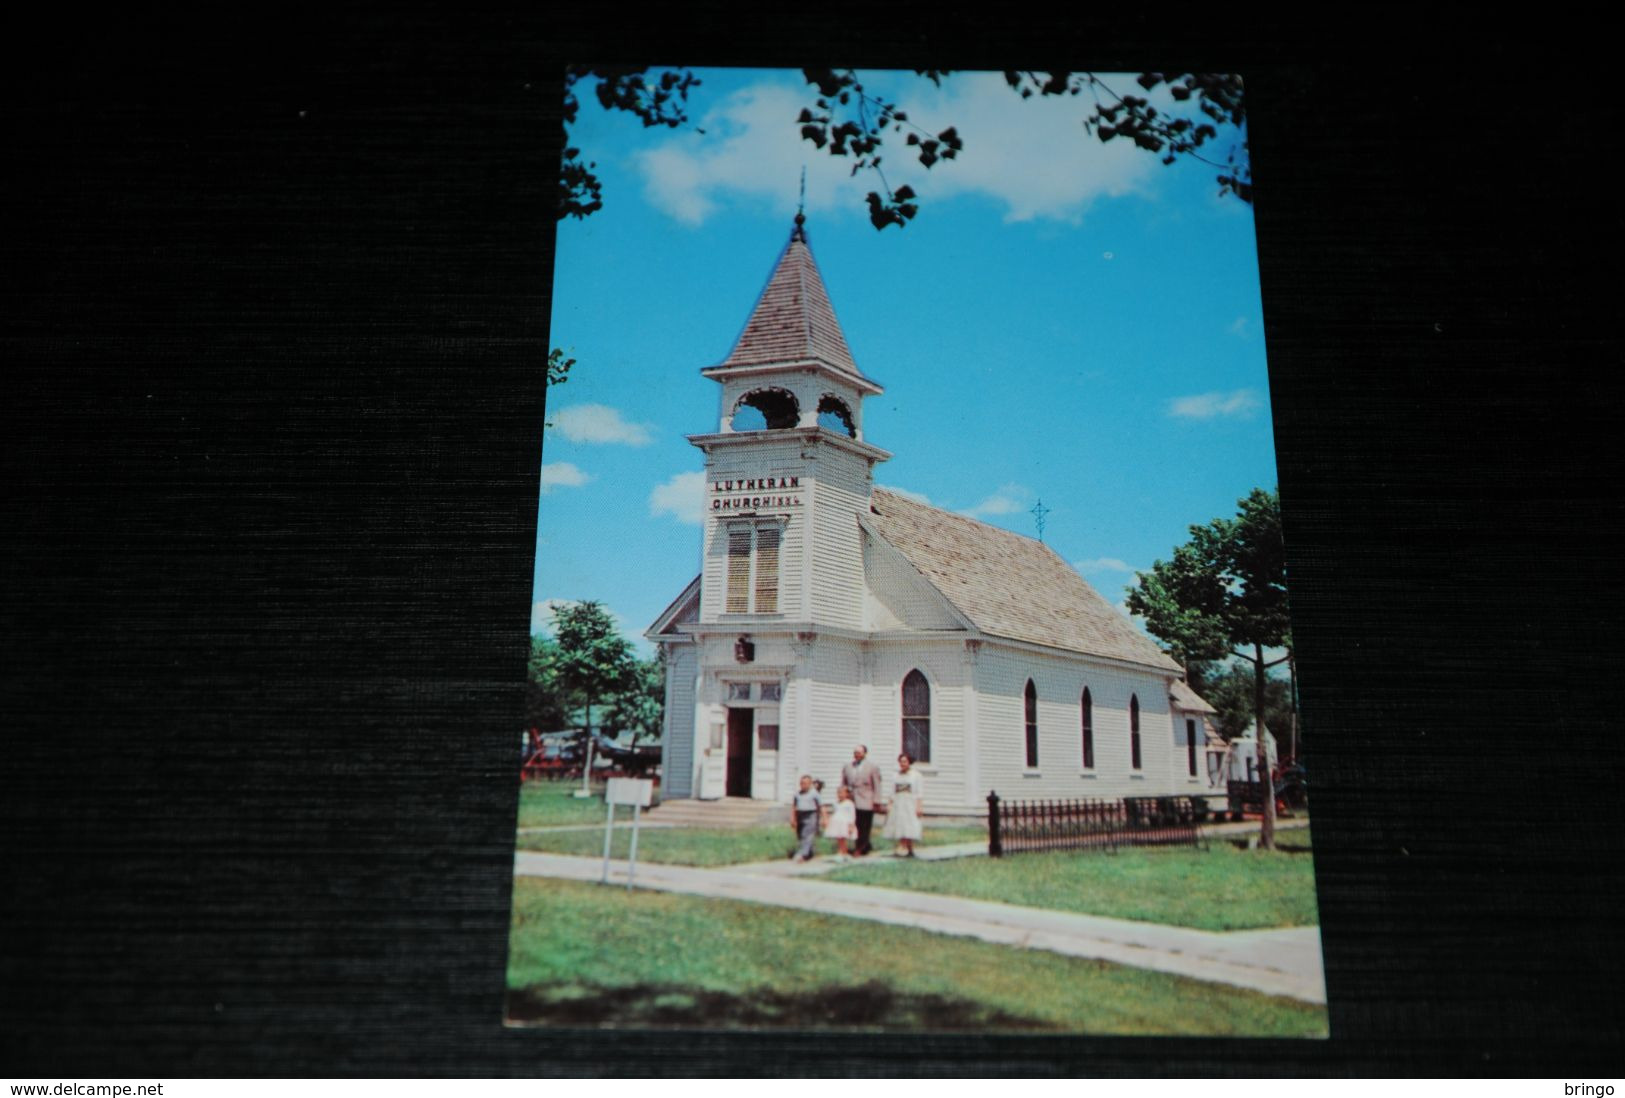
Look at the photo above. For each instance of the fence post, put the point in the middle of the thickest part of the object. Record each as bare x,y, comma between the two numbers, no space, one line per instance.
995,848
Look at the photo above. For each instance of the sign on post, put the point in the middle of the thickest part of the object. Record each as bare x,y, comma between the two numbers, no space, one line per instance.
637,792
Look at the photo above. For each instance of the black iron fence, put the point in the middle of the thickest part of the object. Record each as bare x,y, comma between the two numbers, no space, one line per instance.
1092,823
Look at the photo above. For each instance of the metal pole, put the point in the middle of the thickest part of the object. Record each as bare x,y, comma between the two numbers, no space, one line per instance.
609,830
632,860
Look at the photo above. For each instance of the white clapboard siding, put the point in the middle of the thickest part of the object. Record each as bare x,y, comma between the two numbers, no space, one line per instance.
1002,674
943,665
677,730
841,494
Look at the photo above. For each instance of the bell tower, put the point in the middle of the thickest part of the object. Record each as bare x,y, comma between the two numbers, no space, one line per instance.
788,470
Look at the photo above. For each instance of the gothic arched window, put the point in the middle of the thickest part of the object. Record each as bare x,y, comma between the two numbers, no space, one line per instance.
1032,724
1088,730
917,717
1134,730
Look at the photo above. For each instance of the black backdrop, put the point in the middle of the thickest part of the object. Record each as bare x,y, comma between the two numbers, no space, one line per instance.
276,309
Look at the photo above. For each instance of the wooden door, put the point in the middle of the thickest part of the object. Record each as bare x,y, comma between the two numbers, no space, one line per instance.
741,730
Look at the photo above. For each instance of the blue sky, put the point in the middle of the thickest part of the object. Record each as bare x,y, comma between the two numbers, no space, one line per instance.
1063,320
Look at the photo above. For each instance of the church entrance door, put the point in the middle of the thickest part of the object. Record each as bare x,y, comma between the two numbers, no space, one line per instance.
741,731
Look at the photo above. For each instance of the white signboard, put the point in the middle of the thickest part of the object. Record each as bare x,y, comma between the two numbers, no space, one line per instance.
633,791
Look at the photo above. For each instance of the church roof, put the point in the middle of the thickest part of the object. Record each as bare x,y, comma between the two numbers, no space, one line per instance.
1008,585
1187,699
793,320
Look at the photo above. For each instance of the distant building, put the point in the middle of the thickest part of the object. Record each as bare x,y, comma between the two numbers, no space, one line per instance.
830,612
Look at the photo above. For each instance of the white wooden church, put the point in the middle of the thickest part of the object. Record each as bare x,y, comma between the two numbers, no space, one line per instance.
831,612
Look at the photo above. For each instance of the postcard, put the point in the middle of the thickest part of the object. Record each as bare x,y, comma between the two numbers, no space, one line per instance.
910,640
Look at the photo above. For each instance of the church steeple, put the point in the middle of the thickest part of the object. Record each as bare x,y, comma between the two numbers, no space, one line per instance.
793,322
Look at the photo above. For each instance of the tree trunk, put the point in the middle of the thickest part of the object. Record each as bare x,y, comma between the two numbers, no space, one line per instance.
1266,837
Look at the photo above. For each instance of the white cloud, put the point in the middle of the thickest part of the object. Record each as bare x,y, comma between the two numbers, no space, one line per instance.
1032,156
1006,501
682,497
561,474
599,423
1241,403
1102,564
917,497
1238,327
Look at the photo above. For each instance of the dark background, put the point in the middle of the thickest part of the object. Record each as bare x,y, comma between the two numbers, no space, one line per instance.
276,311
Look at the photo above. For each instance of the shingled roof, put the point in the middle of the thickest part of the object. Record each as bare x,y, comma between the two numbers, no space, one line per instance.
793,320
1187,699
1008,585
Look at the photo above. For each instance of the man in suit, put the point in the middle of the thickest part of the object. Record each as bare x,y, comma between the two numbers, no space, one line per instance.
862,777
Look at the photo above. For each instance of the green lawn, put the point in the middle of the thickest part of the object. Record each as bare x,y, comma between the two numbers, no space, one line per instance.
1220,888
551,803
708,847
582,954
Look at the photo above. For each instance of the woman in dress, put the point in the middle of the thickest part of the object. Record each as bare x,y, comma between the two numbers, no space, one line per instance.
903,817
843,822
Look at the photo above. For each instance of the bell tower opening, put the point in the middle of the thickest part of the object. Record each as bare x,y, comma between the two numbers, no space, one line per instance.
834,415
766,410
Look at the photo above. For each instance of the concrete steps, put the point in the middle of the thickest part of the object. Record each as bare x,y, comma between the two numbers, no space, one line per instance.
730,812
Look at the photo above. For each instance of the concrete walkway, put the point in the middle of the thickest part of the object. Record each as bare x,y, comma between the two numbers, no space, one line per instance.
1276,962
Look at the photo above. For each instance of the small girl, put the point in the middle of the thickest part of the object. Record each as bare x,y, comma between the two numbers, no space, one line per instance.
843,822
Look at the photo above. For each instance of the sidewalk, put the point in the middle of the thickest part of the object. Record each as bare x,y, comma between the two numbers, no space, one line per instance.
1276,962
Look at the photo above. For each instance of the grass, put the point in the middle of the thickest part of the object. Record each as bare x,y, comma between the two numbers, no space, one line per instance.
586,955
553,803
1224,887
707,846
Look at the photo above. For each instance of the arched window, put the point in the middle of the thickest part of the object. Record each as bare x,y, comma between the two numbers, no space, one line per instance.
833,415
917,717
1088,730
1032,724
1134,730
766,410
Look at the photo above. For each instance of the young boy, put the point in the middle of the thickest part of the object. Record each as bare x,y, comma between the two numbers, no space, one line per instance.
806,810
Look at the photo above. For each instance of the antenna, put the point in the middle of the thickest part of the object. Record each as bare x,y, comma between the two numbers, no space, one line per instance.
1038,512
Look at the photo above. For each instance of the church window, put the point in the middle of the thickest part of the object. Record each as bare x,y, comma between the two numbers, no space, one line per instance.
767,570
917,717
833,415
766,410
1088,730
739,691
739,570
1032,724
772,691
1134,730
753,569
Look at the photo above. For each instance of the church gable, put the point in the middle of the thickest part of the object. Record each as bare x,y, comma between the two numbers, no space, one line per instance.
683,610
896,595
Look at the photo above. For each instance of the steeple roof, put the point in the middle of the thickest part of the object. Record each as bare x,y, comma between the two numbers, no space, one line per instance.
793,320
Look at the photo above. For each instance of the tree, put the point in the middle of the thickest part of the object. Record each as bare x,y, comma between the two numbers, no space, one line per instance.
546,708
640,707
1223,593
1231,692
593,662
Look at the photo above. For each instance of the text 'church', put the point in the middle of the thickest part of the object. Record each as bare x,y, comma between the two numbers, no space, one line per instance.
831,612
